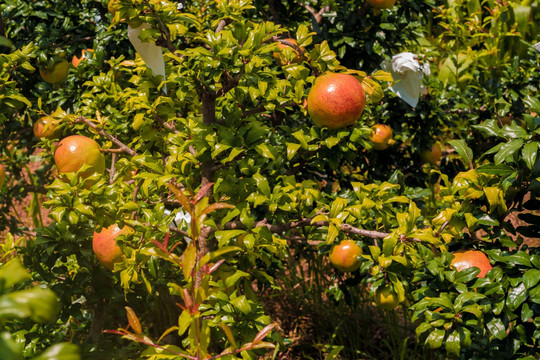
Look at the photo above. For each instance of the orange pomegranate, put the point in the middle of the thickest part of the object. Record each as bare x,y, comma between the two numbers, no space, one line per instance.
336,100
345,256
464,259
382,137
76,150
104,245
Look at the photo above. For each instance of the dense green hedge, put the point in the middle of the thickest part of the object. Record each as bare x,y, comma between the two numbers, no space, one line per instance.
226,139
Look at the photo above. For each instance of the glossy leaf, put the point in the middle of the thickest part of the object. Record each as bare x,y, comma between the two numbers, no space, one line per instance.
133,321
508,150
189,261
12,273
529,153
435,338
496,328
38,304
531,277
516,296
463,150
453,344
62,351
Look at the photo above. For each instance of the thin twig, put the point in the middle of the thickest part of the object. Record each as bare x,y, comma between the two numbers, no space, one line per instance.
179,231
167,125
293,45
102,132
443,226
316,14
35,189
113,151
112,171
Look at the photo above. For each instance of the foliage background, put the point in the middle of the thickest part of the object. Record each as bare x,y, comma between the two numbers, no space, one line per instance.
276,168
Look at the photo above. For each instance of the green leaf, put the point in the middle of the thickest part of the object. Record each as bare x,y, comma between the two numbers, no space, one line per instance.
12,273
38,304
467,275
514,131
62,351
532,103
333,233
494,196
292,148
373,89
485,219
262,184
499,170
222,251
463,150
265,151
335,352
488,127
535,261
9,349
534,293
380,75
223,237
233,154
218,149
526,312
242,304
531,278
519,258
184,321
233,279
331,141
228,333
529,153
453,344
337,205
436,338
508,150
516,296
496,328
190,258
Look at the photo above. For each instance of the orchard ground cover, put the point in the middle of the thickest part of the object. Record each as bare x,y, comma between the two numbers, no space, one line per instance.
236,193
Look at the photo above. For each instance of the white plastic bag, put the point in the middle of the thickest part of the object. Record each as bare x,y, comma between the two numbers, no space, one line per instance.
151,54
407,73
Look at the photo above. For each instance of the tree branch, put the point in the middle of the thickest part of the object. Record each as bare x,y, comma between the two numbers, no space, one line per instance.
229,84
208,108
288,43
316,14
222,24
2,26
167,125
163,29
281,228
102,132
98,320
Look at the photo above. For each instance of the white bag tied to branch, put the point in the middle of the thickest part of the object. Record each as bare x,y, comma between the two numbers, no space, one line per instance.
151,54
407,73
